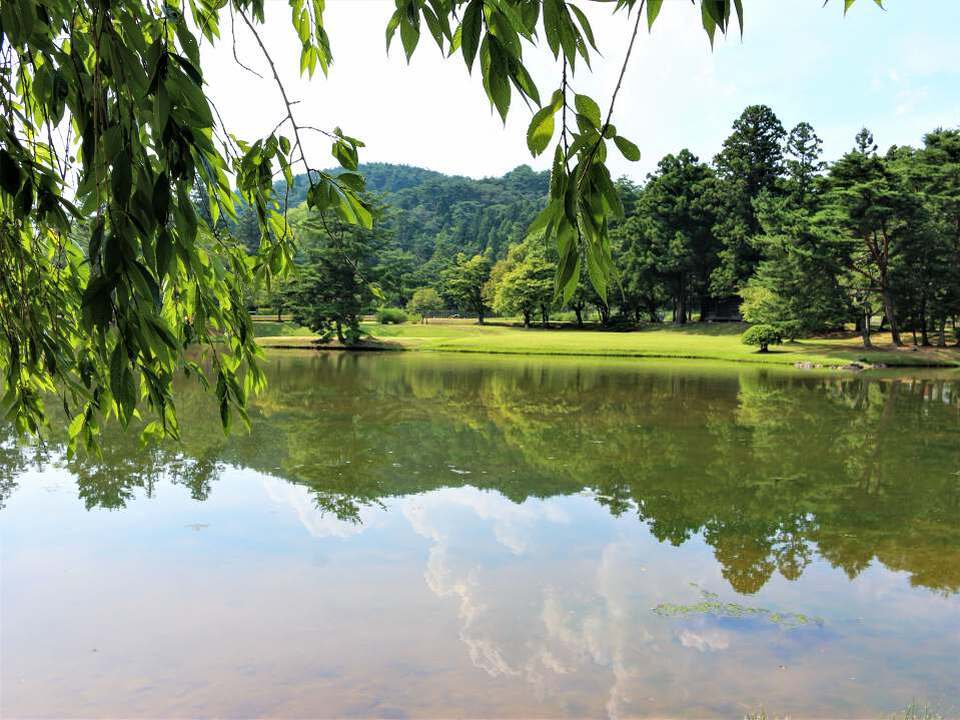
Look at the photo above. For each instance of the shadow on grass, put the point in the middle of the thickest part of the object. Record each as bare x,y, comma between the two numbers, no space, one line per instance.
700,328
711,329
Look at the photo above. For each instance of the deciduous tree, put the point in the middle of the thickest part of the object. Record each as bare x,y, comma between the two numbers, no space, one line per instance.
464,282
425,301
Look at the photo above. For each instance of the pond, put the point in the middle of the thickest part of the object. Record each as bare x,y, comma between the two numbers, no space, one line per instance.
435,536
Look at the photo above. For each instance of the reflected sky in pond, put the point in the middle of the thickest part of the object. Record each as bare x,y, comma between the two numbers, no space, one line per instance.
427,536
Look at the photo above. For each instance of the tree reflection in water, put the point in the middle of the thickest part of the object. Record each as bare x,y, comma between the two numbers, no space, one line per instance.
769,467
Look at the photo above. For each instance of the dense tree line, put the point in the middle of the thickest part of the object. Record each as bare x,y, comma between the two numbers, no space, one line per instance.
767,231
772,232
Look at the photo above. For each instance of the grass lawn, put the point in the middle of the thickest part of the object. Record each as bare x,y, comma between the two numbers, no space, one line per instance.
273,329
719,341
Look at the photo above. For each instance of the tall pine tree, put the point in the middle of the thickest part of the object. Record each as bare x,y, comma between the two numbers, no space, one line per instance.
750,165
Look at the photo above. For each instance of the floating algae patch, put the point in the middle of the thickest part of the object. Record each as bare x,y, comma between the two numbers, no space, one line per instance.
710,604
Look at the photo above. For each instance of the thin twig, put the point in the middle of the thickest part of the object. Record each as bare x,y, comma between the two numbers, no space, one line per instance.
233,38
283,93
616,91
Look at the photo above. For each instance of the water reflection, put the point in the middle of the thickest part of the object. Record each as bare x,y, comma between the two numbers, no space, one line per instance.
769,468
432,536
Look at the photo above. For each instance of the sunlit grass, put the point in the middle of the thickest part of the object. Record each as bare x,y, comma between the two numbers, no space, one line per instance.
705,341
272,328
713,341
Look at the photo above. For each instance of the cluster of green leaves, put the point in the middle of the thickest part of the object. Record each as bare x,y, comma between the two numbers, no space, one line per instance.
522,283
315,44
391,316
762,336
463,283
425,301
109,271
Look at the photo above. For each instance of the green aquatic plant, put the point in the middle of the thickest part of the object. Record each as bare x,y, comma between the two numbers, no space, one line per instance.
761,714
918,711
710,604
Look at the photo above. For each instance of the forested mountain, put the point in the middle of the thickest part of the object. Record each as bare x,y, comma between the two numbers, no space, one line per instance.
442,215
433,216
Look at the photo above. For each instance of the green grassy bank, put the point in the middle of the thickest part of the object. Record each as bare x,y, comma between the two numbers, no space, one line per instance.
694,341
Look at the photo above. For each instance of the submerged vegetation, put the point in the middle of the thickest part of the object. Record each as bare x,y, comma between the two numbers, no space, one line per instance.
917,710
710,604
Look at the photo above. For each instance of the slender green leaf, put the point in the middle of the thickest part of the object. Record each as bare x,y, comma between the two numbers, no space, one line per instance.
540,131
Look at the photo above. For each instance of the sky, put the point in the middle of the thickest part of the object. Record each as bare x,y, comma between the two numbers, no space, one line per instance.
896,71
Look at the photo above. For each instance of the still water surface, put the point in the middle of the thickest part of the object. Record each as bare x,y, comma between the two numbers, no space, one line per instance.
429,536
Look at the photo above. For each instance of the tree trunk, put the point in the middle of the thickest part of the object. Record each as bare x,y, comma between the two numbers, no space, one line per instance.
865,329
942,333
924,338
340,337
891,317
680,309
480,317
604,313
544,315
526,318
579,312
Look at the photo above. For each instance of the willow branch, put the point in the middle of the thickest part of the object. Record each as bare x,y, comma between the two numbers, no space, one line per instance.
283,94
233,38
616,91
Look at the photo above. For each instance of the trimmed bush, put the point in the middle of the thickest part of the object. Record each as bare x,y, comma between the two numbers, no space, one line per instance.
762,335
391,316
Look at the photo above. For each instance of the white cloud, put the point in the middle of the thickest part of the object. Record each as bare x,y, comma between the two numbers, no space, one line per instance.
451,575
709,641
535,630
